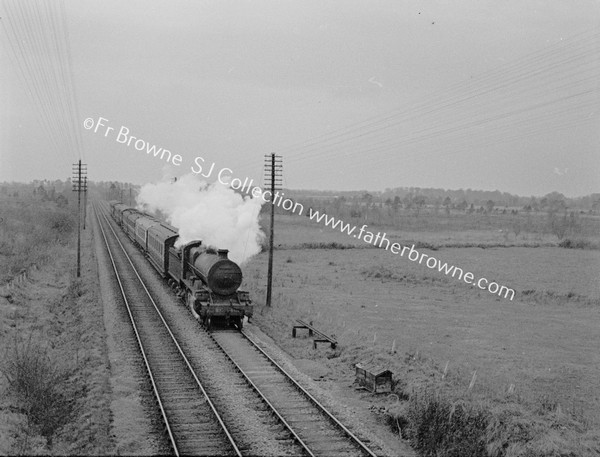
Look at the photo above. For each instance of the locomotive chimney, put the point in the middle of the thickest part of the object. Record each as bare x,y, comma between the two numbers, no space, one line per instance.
223,253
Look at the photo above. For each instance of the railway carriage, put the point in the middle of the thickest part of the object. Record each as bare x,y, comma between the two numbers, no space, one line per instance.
130,215
117,212
161,238
112,205
142,224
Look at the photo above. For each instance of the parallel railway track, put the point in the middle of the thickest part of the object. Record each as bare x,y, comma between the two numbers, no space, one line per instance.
319,431
189,405
193,425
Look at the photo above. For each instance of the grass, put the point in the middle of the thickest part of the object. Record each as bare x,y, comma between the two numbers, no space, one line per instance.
437,422
437,427
53,371
41,387
29,232
535,389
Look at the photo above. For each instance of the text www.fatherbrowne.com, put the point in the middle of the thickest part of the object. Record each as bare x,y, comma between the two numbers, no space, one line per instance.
380,240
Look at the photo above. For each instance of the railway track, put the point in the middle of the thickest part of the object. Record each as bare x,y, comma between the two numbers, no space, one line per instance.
313,426
192,424
189,401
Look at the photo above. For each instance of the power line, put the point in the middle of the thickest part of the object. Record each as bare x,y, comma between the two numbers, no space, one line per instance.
37,35
534,90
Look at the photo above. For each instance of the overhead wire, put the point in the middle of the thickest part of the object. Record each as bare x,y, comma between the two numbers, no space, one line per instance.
73,100
444,128
24,68
37,35
429,111
521,83
490,78
33,74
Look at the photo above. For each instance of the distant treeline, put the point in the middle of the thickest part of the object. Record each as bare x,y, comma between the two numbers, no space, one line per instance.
397,198
410,197
62,193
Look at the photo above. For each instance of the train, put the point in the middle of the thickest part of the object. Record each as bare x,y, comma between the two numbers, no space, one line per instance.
202,276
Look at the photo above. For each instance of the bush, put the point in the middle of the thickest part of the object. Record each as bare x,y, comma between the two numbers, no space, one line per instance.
61,223
438,428
40,387
578,243
330,245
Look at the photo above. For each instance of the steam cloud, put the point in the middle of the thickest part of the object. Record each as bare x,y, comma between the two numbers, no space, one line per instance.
213,213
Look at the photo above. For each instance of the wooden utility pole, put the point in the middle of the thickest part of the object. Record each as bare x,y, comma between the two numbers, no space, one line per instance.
273,173
84,200
79,185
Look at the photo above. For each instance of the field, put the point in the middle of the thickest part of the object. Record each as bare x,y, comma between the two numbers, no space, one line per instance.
475,374
532,363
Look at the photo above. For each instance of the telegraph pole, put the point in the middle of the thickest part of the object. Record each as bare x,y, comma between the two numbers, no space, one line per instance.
273,174
79,185
84,200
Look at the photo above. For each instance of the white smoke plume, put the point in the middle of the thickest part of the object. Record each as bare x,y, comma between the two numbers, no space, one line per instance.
213,213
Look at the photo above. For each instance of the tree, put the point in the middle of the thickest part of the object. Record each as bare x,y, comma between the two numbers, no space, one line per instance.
396,203
517,227
62,201
446,203
554,202
419,202
437,202
558,226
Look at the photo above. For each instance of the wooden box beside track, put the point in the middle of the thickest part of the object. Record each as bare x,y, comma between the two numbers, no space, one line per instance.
374,378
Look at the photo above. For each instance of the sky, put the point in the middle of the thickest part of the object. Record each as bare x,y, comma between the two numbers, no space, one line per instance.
353,95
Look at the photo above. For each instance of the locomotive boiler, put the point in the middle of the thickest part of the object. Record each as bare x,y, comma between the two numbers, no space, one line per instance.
210,283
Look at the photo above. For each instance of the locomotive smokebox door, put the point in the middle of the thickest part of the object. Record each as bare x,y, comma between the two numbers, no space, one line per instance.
374,378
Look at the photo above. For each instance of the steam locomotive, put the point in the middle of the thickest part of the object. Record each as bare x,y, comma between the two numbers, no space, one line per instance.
203,277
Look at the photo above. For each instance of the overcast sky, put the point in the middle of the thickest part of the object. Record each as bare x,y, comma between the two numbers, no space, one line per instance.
480,94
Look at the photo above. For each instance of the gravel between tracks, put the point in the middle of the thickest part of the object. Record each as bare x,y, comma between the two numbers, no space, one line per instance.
349,416
253,427
135,425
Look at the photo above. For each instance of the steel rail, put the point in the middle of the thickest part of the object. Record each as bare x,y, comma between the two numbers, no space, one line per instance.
181,352
316,402
138,338
264,398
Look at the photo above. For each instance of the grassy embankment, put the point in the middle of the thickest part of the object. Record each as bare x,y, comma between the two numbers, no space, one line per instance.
53,367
